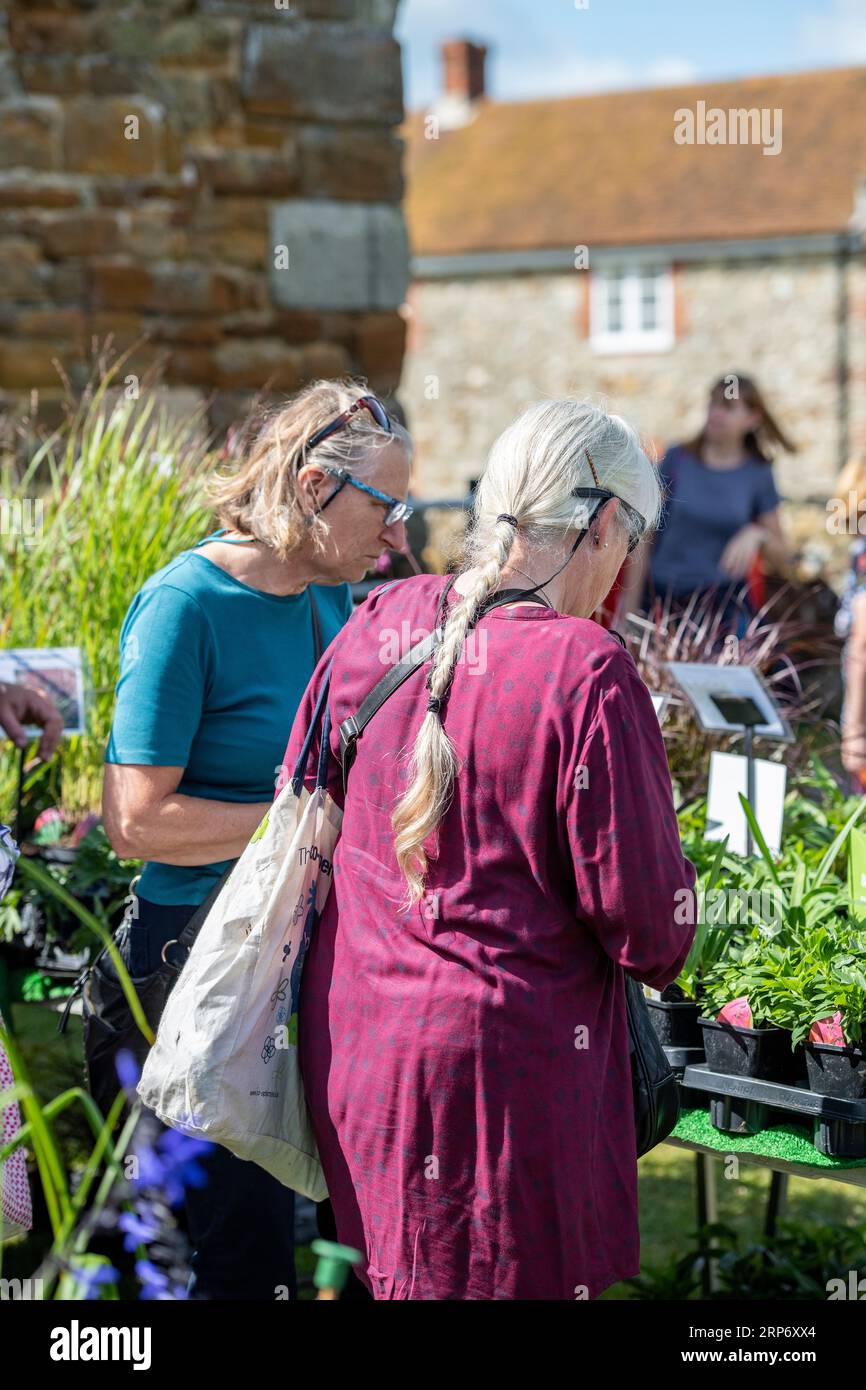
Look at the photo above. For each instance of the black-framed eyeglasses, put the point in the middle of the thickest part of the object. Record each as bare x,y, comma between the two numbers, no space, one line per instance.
376,409
638,525
397,510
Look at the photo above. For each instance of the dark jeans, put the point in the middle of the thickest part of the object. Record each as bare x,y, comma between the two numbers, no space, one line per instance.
242,1224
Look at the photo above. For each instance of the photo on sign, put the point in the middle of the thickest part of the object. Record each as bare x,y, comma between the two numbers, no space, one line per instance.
57,672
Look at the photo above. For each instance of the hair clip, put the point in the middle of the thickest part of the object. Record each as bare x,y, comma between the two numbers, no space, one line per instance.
592,468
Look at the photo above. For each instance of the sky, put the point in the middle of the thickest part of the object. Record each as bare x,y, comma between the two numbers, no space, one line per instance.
559,48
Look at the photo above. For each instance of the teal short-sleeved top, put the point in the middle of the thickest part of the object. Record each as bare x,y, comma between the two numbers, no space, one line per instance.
211,675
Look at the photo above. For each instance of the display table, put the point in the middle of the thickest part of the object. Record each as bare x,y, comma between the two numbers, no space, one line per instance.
782,1149
785,1148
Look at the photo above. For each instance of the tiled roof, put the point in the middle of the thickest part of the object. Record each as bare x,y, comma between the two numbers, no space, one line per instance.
605,170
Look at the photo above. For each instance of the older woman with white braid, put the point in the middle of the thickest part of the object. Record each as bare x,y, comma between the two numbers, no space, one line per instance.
509,849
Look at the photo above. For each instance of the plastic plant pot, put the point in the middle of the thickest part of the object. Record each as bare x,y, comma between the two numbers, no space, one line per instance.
836,1071
761,1052
676,1023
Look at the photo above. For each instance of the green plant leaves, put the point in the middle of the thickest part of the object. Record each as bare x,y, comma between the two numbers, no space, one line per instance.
789,940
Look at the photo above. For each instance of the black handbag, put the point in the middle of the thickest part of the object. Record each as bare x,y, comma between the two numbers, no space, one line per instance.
654,1085
108,1024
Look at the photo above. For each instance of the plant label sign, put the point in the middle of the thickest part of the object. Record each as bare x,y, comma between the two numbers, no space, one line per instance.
56,671
728,778
857,869
702,682
660,705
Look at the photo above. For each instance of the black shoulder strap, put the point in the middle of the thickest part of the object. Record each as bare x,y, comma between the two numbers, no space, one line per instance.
352,727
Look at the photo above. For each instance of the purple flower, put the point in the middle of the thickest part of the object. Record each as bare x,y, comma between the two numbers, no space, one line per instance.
153,1280
8,855
128,1070
155,1283
140,1228
171,1165
92,1277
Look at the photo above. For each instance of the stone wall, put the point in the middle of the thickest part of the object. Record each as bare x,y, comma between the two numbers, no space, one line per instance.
480,350
222,176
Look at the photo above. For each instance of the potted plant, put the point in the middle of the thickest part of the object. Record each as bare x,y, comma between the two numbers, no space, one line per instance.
800,989
835,1067
741,1037
835,1016
764,991
39,930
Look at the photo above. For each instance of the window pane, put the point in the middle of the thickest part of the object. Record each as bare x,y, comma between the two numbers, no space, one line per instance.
648,316
614,303
649,301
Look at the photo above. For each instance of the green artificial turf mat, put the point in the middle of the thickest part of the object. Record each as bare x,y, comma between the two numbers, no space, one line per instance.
779,1141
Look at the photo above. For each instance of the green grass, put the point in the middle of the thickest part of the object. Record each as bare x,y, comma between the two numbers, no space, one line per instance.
668,1204
121,490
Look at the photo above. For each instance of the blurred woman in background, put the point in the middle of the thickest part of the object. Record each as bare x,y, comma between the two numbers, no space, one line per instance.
721,508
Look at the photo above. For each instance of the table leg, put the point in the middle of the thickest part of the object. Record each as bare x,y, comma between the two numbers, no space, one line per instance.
707,1211
775,1202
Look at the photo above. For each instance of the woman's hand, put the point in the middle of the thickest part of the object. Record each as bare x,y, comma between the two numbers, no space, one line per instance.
741,550
853,749
854,761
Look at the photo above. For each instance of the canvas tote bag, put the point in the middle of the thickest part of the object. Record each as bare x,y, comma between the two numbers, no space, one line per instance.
224,1065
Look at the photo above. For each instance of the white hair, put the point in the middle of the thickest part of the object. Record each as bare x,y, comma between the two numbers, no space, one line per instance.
534,466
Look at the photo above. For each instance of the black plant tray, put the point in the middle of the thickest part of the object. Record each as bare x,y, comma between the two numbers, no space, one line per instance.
678,1059
746,1105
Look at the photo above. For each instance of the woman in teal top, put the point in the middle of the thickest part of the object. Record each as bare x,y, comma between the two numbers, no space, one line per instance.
212,671
217,649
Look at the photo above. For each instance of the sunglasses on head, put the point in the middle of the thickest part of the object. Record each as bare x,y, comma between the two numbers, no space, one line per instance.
637,523
376,409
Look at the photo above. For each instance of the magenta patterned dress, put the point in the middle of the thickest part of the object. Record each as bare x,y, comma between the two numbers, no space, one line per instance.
466,1064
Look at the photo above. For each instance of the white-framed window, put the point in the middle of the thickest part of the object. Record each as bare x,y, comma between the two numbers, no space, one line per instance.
632,309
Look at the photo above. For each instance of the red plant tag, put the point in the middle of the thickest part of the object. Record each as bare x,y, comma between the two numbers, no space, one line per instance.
736,1013
49,826
828,1030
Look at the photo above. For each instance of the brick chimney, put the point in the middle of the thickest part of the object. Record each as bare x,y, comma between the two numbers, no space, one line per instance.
462,83
463,68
